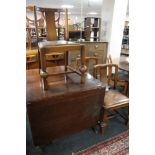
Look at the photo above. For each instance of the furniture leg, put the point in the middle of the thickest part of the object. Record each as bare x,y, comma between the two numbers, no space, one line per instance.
43,72
82,67
103,124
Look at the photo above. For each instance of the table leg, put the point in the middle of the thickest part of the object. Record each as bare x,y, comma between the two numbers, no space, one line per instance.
83,67
43,72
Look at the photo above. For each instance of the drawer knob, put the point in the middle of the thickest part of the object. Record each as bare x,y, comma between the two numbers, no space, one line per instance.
96,46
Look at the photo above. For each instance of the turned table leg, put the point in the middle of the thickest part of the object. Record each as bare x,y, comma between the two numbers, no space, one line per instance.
83,67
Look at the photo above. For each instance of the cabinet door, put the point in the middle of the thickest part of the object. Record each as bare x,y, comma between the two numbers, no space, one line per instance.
98,48
72,57
92,48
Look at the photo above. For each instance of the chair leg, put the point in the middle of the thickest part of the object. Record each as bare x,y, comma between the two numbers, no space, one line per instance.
103,124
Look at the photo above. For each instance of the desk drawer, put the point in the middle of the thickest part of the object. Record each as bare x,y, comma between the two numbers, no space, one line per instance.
96,46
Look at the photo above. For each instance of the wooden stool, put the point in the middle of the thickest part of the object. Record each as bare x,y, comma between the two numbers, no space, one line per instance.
61,46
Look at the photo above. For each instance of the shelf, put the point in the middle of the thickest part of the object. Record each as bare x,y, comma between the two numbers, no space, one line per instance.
92,27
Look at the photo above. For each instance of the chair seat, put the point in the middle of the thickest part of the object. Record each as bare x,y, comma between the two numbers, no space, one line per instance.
114,99
31,52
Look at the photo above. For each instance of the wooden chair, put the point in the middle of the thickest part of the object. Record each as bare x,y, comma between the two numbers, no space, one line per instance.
53,30
55,47
122,79
31,51
113,99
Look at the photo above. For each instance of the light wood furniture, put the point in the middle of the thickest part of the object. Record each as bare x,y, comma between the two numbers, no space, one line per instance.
30,25
53,59
113,99
52,20
64,47
52,46
65,108
31,50
98,48
91,49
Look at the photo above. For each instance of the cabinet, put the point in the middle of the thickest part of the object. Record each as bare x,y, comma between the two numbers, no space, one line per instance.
92,27
92,48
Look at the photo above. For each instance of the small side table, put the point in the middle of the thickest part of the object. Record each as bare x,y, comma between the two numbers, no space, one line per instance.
48,47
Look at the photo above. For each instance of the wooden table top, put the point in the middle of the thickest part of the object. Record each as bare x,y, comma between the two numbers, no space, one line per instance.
47,44
124,63
58,85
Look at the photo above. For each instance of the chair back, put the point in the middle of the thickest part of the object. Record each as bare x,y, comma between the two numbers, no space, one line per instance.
52,21
104,73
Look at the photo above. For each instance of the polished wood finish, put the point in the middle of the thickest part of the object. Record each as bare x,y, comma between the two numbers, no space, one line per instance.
67,107
61,46
91,49
113,99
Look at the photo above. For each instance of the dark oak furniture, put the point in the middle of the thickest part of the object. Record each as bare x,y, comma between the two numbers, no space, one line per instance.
67,107
113,99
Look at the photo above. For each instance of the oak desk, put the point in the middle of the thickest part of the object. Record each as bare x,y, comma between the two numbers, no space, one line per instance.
65,108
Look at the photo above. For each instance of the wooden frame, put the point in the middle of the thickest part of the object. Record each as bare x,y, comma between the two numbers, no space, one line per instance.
113,99
52,45
64,47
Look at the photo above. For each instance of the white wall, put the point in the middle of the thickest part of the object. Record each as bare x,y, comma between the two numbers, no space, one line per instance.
119,17
113,18
106,16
